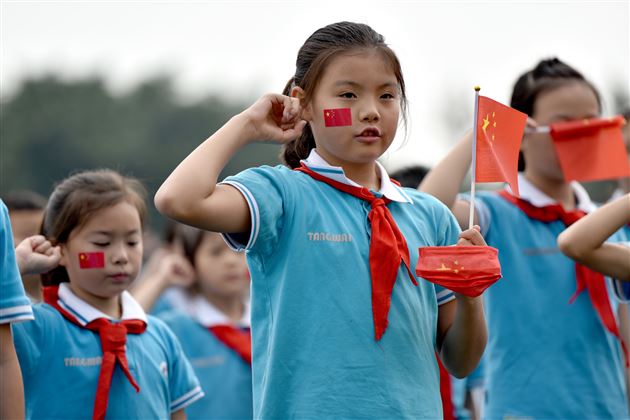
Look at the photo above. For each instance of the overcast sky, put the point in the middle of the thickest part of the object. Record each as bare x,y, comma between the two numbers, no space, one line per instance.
241,49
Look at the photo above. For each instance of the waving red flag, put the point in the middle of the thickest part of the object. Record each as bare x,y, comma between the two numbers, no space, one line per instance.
468,270
499,134
591,149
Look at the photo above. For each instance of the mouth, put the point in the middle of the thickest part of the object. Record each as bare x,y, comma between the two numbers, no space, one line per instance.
119,277
369,135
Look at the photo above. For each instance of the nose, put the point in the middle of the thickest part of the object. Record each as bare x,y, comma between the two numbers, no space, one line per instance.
120,255
369,111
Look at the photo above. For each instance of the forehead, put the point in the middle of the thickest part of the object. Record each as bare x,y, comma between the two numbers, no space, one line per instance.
122,216
573,100
361,66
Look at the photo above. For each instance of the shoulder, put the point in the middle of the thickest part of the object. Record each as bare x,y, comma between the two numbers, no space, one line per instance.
177,320
427,202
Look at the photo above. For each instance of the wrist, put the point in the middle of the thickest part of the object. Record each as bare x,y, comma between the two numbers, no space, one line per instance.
245,128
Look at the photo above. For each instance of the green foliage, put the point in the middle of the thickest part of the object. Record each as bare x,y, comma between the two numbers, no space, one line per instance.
51,129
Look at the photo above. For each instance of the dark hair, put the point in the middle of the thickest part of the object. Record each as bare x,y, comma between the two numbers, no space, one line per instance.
76,198
19,200
549,74
312,59
410,176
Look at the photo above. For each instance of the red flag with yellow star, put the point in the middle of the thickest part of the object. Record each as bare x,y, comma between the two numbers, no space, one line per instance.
591,149
337,117
468,270
91,260
499,134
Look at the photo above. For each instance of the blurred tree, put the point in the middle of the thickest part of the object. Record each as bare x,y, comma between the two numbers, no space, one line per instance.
52,128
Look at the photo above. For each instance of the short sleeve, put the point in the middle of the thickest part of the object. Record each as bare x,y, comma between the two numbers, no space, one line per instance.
183,384
14,305
265,192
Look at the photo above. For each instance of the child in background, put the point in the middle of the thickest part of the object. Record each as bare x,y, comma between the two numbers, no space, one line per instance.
215,333
341,327
26,210
546,358
92,351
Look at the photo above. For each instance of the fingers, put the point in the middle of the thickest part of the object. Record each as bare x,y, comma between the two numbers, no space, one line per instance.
471,237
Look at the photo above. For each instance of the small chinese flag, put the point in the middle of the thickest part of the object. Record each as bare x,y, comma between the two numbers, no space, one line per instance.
468,270
337,117
591,149
91,260
499,134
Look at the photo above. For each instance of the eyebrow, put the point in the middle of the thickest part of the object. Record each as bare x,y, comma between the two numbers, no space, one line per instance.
352,83
108,233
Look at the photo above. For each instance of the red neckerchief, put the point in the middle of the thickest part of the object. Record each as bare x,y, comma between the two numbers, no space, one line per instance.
586,278
113,338
236,339
388,249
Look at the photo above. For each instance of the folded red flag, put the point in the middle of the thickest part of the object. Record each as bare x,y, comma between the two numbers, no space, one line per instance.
468,270
337,117
499,134
91,260
591,149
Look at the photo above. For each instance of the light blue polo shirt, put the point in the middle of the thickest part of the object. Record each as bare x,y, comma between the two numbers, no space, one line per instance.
225,376
61,361
545,358
14,305
314,353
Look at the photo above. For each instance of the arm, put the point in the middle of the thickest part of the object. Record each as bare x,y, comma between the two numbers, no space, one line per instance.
178,415
445,180
190,193
462,331
164,269
11,388
624,330
584,240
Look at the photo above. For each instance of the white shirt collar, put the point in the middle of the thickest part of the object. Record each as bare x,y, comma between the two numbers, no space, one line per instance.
208,315
86,313
536,197
390,190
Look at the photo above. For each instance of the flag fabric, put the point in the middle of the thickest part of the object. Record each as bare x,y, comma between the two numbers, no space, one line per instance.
499,134
91,260
468,270
591,149
337,117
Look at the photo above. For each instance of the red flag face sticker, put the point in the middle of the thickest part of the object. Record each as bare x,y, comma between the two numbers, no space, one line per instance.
91,260
337,117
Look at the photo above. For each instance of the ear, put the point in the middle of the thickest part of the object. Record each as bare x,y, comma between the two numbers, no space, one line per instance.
63,251
307,112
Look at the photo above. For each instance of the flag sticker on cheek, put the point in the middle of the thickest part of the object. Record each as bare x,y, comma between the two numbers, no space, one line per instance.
91,259
337,117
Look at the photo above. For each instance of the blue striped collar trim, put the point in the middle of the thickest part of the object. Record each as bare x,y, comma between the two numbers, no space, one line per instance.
86,313
390,190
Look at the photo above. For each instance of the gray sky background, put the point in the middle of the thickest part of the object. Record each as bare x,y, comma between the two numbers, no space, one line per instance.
241,49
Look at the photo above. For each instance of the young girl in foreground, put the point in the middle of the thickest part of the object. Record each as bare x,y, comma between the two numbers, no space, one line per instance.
339,326
546,357
92,351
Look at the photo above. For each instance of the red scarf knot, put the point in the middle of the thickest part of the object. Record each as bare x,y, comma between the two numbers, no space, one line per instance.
388,248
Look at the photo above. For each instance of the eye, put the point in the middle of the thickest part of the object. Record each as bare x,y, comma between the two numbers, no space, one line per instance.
132,243
387,96
101,244
348,95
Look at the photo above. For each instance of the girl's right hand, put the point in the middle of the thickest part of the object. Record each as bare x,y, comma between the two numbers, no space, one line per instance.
275,117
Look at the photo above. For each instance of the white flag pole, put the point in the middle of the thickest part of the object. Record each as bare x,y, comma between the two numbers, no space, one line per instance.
474,160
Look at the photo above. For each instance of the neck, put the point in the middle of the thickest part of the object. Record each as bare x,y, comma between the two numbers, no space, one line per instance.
560,191
230,306
110,306
33,287
367,176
